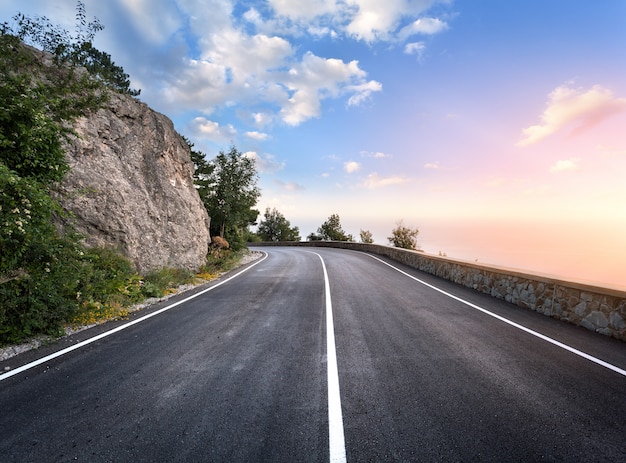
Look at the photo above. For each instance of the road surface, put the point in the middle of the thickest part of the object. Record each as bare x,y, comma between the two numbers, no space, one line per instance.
317,354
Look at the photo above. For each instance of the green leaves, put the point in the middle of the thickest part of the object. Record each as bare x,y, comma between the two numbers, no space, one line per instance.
275,227
75,50
228,188
331,230
403,236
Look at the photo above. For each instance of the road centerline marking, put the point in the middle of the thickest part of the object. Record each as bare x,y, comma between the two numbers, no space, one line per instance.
336,439
573,350
59,353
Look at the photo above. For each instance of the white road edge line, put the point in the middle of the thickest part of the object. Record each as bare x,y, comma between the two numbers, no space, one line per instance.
336,440
54,355
512,323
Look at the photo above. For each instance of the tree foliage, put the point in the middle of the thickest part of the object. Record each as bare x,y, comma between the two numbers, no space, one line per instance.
75,50
228,188
403,236
275,227
366,236
45,277
331,230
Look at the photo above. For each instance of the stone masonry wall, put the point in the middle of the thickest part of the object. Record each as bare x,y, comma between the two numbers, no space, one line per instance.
602,310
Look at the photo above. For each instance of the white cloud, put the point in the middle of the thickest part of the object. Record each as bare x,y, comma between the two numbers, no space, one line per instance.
315,78
611,151
415,48
425,26
432,165
365,20
362,92
566,165
262,119
211,130
351,167
373,181
257,135
289,186
266,164
299,10
155,28
211,55
573,107
375,155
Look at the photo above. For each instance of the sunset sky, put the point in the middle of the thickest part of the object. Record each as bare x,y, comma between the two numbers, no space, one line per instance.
498,128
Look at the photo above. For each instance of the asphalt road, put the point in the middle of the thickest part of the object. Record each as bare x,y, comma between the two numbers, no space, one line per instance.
240,373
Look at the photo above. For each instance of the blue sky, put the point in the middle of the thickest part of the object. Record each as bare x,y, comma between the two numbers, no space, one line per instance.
495,127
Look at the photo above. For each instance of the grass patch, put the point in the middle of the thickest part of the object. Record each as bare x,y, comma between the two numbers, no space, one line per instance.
133,288
90,286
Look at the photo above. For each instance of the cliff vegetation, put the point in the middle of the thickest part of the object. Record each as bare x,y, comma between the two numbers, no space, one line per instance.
98,201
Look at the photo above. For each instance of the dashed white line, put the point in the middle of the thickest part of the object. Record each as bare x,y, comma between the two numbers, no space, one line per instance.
54,355
336,440
512,323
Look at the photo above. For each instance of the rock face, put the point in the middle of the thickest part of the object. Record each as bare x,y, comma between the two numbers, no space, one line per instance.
130,187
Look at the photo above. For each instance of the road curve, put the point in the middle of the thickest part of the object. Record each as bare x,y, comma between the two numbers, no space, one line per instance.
240,373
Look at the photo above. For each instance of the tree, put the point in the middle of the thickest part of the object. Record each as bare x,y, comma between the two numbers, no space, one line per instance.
331,230
366,236
76,50
229,194
202,169
403,236
40,268
275,227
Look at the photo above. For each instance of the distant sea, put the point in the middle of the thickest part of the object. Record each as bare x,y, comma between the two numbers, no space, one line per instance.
581,252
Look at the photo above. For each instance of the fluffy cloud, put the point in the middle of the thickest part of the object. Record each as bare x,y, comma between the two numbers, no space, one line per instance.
425,26
566,165
299,10
211,130
266,164
351,167
375,155
611,151
366,20
289,186
373,181
573,107
415,48
257,135
155,28
201,56
316,78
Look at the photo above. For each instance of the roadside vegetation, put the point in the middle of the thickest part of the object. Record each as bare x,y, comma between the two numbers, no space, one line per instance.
48,279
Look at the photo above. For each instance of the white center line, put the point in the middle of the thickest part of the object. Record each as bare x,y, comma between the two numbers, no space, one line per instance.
336,442
512,323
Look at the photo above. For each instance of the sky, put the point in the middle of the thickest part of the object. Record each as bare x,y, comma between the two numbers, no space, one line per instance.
497,128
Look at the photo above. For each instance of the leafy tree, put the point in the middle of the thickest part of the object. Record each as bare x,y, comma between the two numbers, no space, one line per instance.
331,230
403,236
42,272
313,237
366,236
75,50
37,101
202,170
230,193
275,227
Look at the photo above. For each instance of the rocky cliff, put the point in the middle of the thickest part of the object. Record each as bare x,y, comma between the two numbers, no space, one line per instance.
130,187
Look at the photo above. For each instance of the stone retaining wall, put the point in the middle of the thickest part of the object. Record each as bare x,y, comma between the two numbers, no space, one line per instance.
596,308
